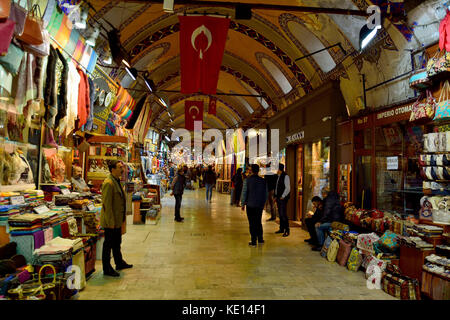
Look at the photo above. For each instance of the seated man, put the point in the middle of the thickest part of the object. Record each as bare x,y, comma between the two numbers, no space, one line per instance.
78,183
313,219
332,211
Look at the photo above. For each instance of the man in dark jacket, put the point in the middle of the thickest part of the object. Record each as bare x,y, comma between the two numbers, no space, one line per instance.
282,193
254,196
177,187
332,211
210,181
312,220
271,180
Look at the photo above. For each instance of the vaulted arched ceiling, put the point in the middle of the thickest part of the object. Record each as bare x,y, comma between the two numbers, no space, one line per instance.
260,53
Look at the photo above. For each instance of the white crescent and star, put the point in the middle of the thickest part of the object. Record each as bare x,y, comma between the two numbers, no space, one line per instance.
194,108
196,33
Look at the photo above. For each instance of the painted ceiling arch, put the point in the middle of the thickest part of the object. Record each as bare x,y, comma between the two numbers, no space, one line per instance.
145,27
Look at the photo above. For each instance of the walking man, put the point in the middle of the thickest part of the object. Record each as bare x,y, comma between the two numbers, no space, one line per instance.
210,181
111,219
178,185
282,193
254,196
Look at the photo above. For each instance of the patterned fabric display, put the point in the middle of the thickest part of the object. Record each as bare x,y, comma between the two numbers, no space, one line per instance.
389,240
333,250
443,106
325,247
354,260
423,111
339,226
365,241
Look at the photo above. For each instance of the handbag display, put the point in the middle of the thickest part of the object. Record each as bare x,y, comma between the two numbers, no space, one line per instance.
423,111
5,7
365,241
326,245
339,226
443,107
11,61
7,31
343,253
354,260
36,290
398,285
332,251
32,33
419,79
389,240
19,16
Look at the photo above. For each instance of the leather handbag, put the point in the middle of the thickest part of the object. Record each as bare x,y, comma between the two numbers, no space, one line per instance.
7,31
19,16
32,33
333,250
423,111
443,105
343,253
11,61
5,7
43,49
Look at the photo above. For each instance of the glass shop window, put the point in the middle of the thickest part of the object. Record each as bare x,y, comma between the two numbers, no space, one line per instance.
363,139
316,167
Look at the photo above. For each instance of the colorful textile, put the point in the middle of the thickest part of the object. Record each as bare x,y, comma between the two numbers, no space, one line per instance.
57,231
389,240
39,239
65,229
48,235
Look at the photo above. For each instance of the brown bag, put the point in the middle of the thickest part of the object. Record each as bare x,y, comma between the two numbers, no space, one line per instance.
344,251
5,7
32,33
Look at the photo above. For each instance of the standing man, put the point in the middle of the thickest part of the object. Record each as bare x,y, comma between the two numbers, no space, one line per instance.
254,196
271,180
210,181
171,173
282,194
111,219
178,185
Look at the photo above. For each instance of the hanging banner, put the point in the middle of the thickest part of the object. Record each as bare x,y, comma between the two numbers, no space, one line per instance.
202,44
212,105
193,111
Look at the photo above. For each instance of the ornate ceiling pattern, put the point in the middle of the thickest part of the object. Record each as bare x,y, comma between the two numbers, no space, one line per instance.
150,36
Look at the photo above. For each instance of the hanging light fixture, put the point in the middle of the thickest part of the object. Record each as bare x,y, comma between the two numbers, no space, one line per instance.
366,35
132,72
93,37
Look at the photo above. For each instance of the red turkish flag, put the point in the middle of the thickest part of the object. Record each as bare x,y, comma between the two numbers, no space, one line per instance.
202,44
212,105
193,111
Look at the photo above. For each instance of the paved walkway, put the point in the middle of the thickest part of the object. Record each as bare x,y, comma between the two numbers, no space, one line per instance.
208,257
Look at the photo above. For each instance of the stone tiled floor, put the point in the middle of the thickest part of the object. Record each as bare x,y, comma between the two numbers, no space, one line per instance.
208,257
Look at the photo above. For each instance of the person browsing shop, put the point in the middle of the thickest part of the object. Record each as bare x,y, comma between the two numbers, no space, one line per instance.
112,217
78,183
177,187
282,194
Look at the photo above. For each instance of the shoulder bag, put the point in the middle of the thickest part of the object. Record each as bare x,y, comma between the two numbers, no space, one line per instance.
19,16
32,33
423,111
333,250
7,31
419,79
443,107
5,7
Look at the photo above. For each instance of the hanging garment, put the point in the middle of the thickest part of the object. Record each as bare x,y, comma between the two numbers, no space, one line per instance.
73,82
62,89
90,118
18,167
27,175
50,89
25,90
83,99
57,168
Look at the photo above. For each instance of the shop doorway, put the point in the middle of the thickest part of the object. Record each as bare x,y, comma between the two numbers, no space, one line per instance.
299,184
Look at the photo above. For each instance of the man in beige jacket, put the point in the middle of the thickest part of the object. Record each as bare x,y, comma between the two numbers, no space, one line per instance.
112,217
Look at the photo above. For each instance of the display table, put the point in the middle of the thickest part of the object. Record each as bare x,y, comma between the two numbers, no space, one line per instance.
223,186
412,259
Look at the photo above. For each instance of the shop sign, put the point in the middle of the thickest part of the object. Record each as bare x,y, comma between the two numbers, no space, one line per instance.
295,137
392,163
362,120
394,112
17,200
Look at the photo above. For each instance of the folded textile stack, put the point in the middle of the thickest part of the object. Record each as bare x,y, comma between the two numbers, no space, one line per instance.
56,250
427,230
33,195
437,264
415,242
24,224
8,210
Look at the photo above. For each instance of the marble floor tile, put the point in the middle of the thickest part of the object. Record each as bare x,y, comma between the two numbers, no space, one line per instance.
208,257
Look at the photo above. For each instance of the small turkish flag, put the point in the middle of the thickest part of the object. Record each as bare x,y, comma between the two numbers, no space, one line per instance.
202,44
212,105
193,111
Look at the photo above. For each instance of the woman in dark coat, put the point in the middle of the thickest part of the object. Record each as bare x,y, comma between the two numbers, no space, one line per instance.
238,181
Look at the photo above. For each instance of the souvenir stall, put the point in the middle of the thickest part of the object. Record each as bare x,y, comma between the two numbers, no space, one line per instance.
57,109
397,229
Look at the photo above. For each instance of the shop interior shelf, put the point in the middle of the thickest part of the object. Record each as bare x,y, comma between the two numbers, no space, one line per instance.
17,187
